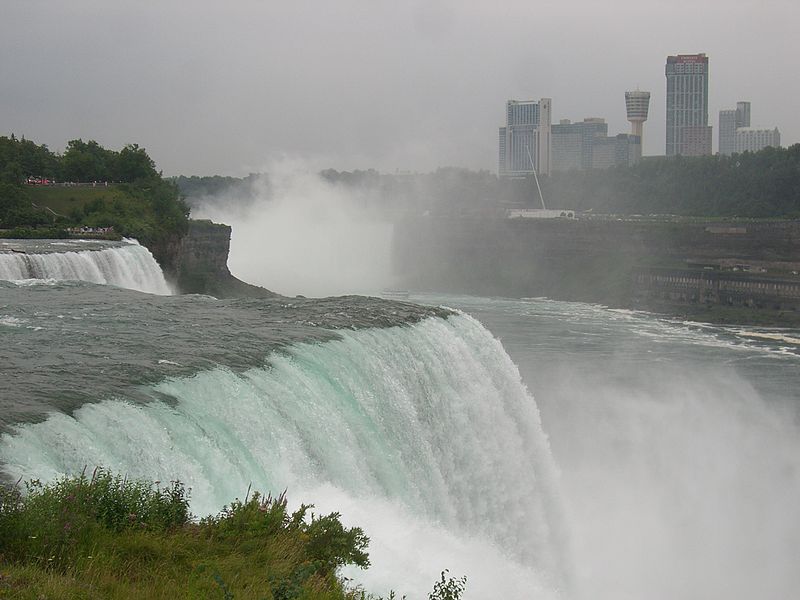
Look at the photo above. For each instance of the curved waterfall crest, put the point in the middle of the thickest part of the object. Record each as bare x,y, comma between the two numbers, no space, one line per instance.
432,418
129,266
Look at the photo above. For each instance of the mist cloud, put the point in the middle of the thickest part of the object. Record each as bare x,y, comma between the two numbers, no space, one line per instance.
303,235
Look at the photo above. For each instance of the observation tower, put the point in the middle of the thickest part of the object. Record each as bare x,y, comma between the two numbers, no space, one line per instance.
637,104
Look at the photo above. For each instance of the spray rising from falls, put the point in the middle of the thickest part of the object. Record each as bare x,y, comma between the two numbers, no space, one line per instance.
305,235
129,266
418,429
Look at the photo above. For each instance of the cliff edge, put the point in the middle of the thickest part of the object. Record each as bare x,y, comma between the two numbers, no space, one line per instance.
197,263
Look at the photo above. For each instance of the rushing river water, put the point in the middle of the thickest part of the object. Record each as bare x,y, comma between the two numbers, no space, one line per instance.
678,445
544,449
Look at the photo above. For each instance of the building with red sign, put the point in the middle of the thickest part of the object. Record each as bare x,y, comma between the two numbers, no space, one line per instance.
688,131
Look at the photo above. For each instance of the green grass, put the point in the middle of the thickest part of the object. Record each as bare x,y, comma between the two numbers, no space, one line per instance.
108,537
64,200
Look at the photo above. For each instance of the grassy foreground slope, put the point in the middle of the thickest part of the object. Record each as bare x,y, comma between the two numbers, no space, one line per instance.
112,538
107,537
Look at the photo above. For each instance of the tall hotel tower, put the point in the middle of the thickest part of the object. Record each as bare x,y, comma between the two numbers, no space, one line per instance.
525,142
637,105
688,131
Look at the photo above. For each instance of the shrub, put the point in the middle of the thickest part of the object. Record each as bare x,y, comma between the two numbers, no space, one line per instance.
449,588
50,523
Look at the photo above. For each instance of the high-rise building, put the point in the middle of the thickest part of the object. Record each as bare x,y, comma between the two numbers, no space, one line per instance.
586,145
688,131
729,121
726,131
637,105
573,143
544,148
568,146
751,139
742,114
524,143
501,163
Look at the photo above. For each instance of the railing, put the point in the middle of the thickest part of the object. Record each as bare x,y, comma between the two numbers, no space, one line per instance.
74,184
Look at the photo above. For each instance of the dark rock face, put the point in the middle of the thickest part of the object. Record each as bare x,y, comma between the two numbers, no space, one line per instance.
609,261
198,263
166,252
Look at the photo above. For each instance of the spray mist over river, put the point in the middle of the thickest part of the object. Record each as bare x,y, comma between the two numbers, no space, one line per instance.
301,234
544,449
678,446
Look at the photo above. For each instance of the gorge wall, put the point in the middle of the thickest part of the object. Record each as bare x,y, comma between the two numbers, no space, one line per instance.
625,263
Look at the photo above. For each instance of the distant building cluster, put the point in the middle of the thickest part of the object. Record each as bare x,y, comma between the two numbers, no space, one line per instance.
752,139
531,143
736,135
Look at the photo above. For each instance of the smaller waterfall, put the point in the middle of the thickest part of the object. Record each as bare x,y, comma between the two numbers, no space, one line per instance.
129,266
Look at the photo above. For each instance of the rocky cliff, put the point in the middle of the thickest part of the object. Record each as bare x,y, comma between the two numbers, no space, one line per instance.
198,262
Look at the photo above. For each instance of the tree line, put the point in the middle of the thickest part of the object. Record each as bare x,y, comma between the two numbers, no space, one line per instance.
80,162
141,204
763,184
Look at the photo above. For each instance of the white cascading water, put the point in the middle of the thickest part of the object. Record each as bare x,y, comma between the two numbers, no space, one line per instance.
131,266
423,435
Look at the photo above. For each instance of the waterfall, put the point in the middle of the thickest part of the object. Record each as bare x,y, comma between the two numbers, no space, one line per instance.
423,434
129,266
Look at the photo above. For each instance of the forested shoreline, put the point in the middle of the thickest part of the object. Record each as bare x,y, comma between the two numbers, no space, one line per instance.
763,184
41,195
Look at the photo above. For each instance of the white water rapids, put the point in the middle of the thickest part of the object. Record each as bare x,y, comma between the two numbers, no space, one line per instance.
129,266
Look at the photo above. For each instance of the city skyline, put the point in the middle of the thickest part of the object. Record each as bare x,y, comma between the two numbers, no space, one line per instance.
229,89
529,143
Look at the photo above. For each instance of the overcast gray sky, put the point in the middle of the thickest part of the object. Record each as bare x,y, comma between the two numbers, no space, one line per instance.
226,87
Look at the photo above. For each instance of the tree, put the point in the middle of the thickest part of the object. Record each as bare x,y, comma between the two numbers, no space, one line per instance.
16,210
12,173
448,588
132,164
87,161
